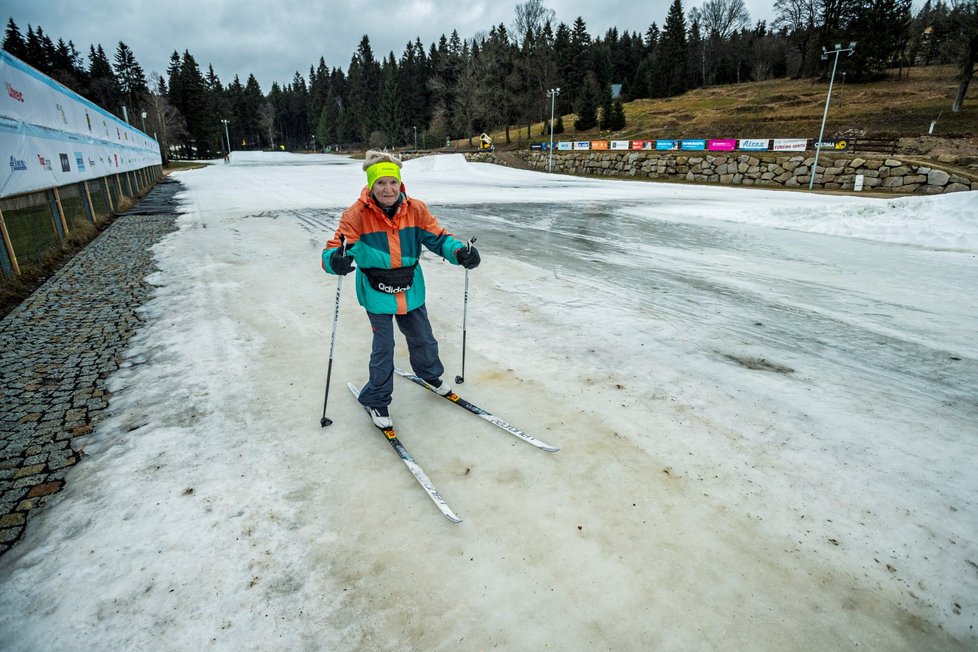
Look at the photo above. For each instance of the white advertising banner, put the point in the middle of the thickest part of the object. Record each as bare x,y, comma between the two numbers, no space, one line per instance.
51,136
790,145
753,144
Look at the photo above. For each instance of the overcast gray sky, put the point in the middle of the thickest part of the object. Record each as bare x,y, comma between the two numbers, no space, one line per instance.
273,39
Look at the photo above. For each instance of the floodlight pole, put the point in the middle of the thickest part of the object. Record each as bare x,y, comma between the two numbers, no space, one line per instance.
553,93
818,144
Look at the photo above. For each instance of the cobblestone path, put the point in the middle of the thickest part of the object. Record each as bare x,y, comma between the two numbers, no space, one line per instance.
59,347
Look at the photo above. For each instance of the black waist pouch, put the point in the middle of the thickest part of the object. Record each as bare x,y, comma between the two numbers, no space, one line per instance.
390,281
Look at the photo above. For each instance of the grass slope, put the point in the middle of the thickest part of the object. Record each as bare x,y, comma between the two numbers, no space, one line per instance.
898,107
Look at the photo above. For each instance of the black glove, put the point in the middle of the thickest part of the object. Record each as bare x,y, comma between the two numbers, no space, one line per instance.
468,258
341,263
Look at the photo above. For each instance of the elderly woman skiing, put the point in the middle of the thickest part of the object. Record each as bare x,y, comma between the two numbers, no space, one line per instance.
382,232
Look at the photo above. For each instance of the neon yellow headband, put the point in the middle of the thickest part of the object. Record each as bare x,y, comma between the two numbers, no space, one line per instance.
382,169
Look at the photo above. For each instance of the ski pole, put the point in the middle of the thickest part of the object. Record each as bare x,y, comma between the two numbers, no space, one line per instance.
325,421
465,309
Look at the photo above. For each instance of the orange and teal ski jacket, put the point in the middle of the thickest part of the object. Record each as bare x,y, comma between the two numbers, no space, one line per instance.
380,243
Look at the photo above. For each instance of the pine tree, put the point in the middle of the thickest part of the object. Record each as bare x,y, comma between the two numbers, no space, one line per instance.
412,83
233,107
390,106
669,70
363,93
562,56
131,81
617,120
587,117
67,68
35,52
13,41
217,106
318,90
580,52
329,118
188,92
251,104
293,118
103,87
882,30
498,55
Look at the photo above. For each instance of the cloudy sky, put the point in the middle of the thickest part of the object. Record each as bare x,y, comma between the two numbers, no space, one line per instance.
273,40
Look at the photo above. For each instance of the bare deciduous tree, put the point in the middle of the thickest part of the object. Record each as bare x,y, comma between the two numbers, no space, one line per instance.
799,19
164,117
722,18
530,18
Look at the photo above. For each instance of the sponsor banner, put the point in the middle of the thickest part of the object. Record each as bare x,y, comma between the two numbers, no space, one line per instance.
754,144
599,144
694,145
721,144
564,145
51,136
666,145
582,144
642,144
538,145
619,144
790,145
833,143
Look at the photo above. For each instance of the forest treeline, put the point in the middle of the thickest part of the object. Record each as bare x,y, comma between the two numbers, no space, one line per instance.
499,81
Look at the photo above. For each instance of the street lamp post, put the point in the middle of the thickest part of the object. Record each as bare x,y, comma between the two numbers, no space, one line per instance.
228,138
415,139
553,93
144,120
818,144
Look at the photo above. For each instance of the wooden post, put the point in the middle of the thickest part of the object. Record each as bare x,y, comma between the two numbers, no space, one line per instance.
8,245
122,186
91,206
61,211
108,193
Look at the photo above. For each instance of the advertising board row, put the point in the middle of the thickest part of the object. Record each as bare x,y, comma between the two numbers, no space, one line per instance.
51,136
697,145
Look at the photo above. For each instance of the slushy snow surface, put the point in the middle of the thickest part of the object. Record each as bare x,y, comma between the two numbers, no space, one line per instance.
766,404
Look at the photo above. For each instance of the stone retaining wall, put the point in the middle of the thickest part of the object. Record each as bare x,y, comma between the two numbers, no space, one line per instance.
835,171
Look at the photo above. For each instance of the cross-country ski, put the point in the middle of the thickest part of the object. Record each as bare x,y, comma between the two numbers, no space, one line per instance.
413,466
475,409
